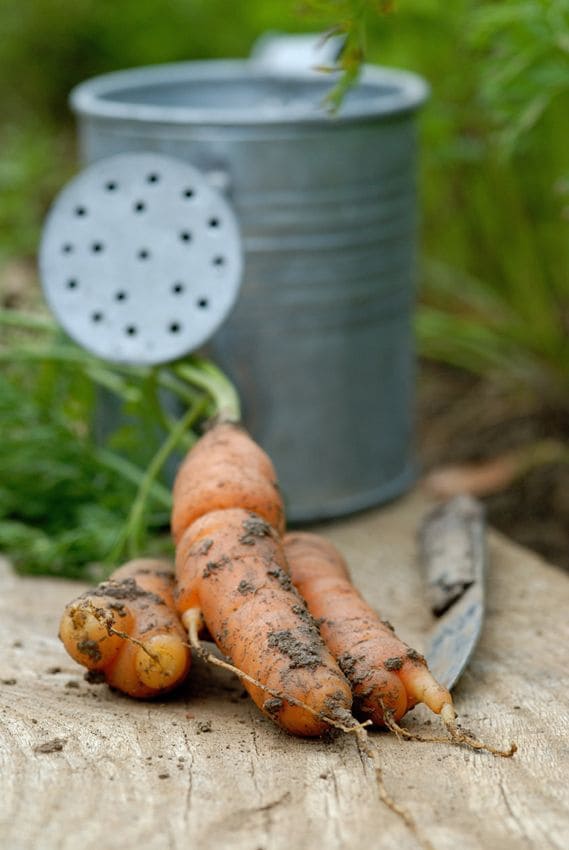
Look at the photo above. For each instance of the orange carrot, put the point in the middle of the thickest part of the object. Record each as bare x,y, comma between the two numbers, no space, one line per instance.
387,676
226,469
231,570
128,630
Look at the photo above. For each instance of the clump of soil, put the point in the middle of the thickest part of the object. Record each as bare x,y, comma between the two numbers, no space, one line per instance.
53,746
463,419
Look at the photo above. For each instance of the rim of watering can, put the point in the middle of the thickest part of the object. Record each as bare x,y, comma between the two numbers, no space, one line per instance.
397,92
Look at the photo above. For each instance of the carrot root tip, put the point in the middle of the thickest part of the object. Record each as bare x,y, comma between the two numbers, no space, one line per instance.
448,715
458,736
85,632
193,623
161,661
461,736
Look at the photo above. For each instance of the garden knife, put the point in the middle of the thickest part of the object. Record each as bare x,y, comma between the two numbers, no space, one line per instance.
452,549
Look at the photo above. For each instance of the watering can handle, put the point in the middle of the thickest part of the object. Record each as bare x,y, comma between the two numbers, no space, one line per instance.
282,52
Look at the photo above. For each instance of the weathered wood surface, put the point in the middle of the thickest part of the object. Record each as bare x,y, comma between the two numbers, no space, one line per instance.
149,775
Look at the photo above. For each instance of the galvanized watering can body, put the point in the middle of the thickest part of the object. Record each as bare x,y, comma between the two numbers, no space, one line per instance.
320,344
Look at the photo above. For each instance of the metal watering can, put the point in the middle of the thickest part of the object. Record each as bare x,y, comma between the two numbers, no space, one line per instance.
241,214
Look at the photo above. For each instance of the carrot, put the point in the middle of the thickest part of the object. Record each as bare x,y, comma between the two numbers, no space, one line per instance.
226,469
128,630
387,677
231,571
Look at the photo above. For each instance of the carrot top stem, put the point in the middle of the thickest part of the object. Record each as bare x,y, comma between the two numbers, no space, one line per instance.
130,537
203,374
58,353
28,321
131,472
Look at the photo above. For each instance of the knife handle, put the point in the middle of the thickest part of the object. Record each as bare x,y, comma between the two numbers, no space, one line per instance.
452,550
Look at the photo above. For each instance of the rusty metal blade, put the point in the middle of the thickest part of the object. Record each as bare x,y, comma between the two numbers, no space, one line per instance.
452,544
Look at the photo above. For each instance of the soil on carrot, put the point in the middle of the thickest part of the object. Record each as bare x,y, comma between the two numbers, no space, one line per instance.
466,419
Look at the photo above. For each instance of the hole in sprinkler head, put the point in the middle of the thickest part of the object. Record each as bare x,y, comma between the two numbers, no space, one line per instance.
188,193
121,296
111,186
186,236
131,330
213,222
97,317
139,206
80,211
72,283
97,247
143,254
175,327
153,178
203,303
177,288
67,248
219,261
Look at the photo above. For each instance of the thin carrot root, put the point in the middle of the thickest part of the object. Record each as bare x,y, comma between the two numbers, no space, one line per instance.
369,749
231,566
193,621
400,732
105,619
344,721
458,736
388,678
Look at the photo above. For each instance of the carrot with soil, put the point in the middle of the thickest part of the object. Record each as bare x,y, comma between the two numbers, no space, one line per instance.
388,677
128,632
227,519
226,469
232,572
233,577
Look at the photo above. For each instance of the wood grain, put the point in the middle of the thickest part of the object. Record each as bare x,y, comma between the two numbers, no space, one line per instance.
125,774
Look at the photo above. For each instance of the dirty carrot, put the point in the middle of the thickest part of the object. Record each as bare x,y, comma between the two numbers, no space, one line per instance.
128,631
226,469
231,572
387,676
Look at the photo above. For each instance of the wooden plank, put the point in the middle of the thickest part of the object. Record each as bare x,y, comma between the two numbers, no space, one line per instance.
126,774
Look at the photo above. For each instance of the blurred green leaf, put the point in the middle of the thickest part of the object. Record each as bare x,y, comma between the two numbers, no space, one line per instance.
73,495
